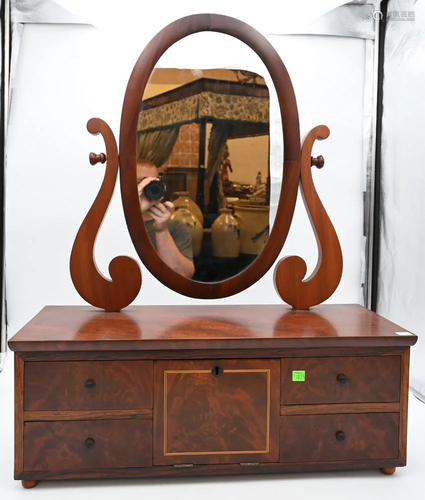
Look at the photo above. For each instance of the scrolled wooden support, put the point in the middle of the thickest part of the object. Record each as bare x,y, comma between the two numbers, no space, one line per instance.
96,289
290,272
97,158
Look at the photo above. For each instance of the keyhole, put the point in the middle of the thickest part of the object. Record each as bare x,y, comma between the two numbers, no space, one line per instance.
216,370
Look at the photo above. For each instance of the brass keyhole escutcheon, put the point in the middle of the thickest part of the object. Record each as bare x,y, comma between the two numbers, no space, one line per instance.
216,370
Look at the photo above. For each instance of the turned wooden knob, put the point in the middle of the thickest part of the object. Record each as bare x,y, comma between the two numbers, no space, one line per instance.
89,443
317,161
89,385
340,436
94,158
342,379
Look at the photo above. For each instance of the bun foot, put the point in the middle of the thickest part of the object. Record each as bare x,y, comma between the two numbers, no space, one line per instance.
389,471
29,484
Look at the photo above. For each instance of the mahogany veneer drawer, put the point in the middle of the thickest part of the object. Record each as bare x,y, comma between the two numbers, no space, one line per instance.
314,438
217,411
57,446
88,385
369,379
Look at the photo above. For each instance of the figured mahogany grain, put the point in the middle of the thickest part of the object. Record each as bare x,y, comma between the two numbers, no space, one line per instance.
291,152
119,385
148,328
61,446
229,418
371,379
313,438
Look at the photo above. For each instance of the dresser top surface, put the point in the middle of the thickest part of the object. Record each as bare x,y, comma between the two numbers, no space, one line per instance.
84,328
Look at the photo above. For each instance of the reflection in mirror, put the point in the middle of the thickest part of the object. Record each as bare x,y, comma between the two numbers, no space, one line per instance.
203,169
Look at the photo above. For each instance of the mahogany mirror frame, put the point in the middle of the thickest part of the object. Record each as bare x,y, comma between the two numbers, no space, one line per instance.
290,272
128,134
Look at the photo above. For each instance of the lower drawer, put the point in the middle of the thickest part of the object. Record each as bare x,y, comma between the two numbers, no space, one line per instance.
314,438
57,446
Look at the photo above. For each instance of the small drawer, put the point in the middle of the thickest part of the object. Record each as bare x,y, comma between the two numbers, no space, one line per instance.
106,444
371,379
320,438
88,385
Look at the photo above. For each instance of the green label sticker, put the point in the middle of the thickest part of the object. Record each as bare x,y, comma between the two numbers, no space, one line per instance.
298,376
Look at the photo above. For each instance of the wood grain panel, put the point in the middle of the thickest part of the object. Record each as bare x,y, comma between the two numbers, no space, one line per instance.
19,424
342,380
58,446
148,328
313,438
216,470
340,408
202,418
88,385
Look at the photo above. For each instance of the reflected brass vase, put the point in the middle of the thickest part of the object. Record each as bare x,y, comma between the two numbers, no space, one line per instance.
183,198
193,225
225,235
253,223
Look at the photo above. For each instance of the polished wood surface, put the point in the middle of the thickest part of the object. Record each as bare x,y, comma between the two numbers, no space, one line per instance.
312,438
328,409
128,134
290,272
89,385
157,402
144,328
216,411
109,294
216,470
87,445
388,471
19,421
342,380
29,484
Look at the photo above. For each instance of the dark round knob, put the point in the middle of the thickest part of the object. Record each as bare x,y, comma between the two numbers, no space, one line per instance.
216,370
94,158
340,436
89,443
89,385
317,161
342,379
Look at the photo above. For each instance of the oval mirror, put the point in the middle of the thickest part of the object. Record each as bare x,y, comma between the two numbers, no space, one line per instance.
194,163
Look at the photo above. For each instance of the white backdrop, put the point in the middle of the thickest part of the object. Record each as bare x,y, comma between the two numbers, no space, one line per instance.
67,74
401,286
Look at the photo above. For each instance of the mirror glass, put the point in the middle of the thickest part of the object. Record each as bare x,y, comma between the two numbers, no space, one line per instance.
203,169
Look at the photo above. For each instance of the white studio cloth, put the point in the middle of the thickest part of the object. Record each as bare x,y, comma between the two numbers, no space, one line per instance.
401,287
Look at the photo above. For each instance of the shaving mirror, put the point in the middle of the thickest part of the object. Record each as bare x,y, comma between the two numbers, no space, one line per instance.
215,108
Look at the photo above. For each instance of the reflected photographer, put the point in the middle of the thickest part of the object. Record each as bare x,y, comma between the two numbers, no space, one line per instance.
170,238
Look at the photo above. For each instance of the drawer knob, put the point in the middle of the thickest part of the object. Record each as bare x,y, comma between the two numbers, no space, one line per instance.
89,385
89,443
216,370
340,436
342,379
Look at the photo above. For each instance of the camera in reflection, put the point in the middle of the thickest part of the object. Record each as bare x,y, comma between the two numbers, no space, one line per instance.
155,190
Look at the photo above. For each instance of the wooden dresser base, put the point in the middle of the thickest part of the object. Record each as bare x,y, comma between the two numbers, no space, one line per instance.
164,391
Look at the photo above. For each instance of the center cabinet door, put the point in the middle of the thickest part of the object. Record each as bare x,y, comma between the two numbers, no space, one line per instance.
217,411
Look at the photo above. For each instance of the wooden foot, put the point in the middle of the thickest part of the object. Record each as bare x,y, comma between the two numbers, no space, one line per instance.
389,471
29,484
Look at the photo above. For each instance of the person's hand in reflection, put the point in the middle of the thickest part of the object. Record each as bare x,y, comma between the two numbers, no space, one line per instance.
161,213
145,203
170,238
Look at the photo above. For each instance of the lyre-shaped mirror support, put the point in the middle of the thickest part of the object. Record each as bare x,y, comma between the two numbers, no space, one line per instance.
290,271
96,289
